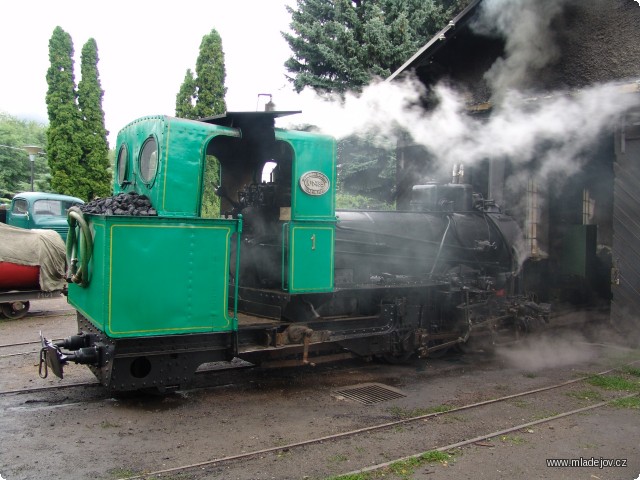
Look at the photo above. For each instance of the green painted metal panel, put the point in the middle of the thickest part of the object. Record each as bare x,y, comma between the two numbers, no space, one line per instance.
157,276
310,259
312,153
91,302
175,189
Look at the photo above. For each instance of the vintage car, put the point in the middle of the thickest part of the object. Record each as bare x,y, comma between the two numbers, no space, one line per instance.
39,210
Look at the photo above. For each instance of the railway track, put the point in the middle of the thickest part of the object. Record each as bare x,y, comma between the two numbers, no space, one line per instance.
480,438
79,400
416,420
8,346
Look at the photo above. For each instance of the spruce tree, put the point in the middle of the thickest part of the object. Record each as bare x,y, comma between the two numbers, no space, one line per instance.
95,160
340,45
64,153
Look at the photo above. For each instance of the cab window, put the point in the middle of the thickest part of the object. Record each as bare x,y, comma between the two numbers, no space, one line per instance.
47,208
20,207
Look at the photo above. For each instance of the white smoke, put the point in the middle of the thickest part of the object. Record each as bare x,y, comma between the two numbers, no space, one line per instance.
556,129
543,352
526,26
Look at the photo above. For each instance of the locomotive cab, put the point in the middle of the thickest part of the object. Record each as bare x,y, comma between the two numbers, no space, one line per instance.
283,184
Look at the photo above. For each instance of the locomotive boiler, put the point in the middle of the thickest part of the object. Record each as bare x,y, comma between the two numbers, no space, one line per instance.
277,276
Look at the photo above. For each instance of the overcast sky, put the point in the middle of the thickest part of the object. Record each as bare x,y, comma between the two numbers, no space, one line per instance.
145,48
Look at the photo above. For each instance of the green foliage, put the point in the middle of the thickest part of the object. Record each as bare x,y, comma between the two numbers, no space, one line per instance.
64,151
15,167
203,95
95,158
77,150
210,201
347,201
186,97
210,75
367,168
340,45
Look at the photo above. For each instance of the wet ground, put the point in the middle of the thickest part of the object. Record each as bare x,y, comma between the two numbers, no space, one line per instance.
85,432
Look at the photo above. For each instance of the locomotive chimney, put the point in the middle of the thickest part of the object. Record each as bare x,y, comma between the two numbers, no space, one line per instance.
269,106
457,176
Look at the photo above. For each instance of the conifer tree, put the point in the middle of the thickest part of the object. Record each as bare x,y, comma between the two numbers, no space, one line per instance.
185,100
203,96
95,161
64,152
340,45
210,76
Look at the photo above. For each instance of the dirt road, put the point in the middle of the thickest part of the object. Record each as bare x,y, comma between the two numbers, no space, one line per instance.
85,432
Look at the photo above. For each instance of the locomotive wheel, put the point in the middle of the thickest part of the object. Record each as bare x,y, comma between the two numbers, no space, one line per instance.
14,310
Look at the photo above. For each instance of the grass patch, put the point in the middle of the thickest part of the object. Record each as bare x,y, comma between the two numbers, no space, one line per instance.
122,472
520,403
434,456
591,395
403,469
629,402
633,371
614,382
440,409
529,375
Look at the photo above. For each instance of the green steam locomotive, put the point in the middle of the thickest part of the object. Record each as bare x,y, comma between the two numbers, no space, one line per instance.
276,275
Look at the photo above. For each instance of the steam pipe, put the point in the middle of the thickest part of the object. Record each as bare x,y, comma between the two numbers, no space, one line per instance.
444,236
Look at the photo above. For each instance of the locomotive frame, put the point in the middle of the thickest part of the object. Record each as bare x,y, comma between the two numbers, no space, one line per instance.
279,277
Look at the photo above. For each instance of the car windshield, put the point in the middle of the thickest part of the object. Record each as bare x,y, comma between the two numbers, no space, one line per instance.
48,207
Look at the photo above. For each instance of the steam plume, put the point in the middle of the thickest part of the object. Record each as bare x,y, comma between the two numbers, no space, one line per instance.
529,39
556,129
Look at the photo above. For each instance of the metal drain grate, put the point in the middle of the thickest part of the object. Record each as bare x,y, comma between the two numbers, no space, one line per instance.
370,393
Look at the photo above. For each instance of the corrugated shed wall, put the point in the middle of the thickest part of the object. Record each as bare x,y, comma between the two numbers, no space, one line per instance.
625,306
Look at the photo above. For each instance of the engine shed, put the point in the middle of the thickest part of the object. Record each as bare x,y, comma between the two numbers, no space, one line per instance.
580,227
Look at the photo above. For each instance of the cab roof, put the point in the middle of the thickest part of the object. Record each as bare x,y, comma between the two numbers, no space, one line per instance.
33,196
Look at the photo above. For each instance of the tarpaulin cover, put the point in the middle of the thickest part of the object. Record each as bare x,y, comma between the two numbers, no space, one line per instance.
43,248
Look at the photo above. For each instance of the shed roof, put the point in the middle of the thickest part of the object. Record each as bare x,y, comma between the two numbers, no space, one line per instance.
439,40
